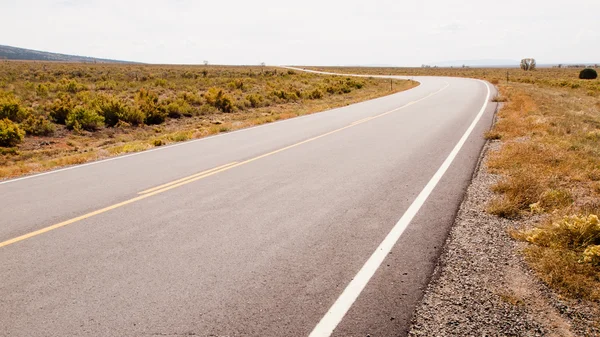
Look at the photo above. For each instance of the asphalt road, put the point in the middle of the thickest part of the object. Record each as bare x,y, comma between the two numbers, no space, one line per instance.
262,247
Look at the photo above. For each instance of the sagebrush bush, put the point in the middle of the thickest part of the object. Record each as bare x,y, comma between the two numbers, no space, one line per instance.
10,133
42,90
61,108
219,99
132,116
588,74
179,108
114,111
84,119
72,86
37,125
316,94
148,103
573,232
10,107
255,100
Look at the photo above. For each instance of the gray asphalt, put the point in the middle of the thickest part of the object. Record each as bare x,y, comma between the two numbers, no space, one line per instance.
262,249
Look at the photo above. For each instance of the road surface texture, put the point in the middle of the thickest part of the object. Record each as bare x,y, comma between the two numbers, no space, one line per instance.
281,239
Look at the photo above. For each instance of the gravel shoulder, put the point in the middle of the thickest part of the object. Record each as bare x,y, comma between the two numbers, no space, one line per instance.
482,287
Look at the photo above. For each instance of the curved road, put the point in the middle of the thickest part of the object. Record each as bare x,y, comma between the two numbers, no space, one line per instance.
327,222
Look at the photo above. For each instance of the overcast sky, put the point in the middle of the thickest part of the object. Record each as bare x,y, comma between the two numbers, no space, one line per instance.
307,32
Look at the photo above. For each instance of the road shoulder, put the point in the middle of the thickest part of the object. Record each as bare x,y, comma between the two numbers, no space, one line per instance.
482,287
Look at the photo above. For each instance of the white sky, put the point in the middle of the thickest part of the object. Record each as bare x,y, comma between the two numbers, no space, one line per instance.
307,32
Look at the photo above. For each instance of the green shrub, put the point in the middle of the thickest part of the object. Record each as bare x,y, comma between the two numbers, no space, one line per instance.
220,100
10,107
573,232
61,108
354,83
72,86
148,104
178,109
132,116
111,110
115,111
316,94
84,119
588,74
10,134
190,97
255,100
37,125
42,90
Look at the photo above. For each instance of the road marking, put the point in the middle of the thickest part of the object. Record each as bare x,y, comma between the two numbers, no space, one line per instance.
338,310
361,121
196,177
186,178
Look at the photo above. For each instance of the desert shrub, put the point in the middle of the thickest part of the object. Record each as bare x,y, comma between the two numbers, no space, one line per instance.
588,74
190,97
159,82
236,84
107,85
72,86
148,103
573,232
286,95
84,119
115,111
42,90
10,133
61,108
352,83
316,94
37,125
219,99
111,109
10,107
255,100
179,108
132,116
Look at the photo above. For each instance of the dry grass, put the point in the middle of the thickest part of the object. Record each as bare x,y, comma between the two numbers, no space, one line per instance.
186,95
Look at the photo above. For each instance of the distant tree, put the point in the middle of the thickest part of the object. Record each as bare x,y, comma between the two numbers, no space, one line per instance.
528,64
262,64
588,74
205,62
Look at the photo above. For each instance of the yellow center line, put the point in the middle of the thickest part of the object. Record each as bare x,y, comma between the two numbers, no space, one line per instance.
361,120
184,181
186,178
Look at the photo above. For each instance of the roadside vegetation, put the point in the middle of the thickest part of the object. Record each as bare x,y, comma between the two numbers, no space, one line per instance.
549,164
57,114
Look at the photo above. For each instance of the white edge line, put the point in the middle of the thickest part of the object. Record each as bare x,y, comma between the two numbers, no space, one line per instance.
338,310
35,175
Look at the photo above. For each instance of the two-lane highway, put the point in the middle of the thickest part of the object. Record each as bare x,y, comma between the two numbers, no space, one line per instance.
268,231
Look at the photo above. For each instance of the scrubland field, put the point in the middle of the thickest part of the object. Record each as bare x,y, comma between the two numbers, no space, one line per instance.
549,161
58,114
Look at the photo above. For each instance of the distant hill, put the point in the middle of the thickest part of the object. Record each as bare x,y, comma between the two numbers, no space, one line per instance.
14,53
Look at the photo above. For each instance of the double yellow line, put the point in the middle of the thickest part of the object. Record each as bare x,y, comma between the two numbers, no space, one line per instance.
201,175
